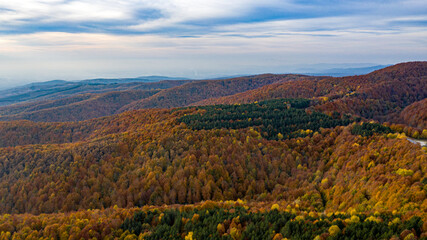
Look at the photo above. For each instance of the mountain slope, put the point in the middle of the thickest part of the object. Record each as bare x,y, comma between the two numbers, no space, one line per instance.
379,95
176,94
148,157
23,132
196,91
267,170
414,115
54,90
76,108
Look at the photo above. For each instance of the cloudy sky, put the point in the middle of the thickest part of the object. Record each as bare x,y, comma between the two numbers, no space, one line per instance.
77,39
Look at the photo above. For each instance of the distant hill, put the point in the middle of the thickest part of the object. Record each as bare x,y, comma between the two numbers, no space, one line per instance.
342,72
75,108
199,90
118,98
56,89
380,95
128,80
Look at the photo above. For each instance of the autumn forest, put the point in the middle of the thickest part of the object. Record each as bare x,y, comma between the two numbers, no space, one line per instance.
259,157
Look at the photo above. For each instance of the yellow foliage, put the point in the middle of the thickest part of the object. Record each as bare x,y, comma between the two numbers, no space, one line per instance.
352,211
405,172
391,135
324,99
410,237
278,236
334,230
416,134
353,219
275,206
220,228
189,236
373,219
160,216
195,218
313,214
235,233
131,237
401,136
324,182
395,221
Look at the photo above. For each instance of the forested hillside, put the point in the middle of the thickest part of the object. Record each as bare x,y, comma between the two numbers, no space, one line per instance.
149,157
131,96
380,95
263,167
76,108
54,90
210,220
414,115
196,91
157,160
14,133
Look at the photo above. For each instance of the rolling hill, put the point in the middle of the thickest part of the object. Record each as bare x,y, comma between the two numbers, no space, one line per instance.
280,156
57,89
190,93
414,115
174,94
151,157
380,95
75,108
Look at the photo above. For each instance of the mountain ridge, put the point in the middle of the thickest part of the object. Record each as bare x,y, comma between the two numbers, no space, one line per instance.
190,93
180,94
396,87
57,89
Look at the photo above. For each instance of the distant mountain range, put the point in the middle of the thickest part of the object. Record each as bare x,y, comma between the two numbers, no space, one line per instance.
57,89
380,95
84,101
342,72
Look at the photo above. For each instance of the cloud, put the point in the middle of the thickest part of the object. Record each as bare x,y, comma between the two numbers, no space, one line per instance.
75,39
185,17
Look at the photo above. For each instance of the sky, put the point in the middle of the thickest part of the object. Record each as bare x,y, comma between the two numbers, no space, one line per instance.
43,40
